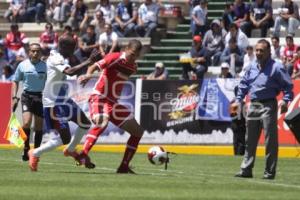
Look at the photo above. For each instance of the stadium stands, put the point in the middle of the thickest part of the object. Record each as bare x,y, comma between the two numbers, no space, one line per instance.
172,39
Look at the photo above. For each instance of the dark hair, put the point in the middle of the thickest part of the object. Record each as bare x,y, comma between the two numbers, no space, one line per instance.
233,25
289,37
135,44
68,28
298,48
91,26
249,47
266,42
275,38
49,24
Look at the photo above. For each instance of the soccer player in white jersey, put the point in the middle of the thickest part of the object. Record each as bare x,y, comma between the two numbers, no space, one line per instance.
59,109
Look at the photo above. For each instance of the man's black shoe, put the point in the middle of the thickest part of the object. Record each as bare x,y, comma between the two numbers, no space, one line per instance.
244,174
269,176
25,156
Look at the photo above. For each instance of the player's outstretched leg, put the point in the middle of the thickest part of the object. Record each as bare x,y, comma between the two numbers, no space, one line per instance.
90,140
34,154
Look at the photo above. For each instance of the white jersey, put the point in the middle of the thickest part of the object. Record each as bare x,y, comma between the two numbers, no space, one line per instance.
56,86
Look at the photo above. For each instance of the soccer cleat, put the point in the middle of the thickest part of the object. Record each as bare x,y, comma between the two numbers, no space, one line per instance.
33,161
125,170
73,154
83,159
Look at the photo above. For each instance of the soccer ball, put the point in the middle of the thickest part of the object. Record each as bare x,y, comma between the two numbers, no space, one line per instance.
157,155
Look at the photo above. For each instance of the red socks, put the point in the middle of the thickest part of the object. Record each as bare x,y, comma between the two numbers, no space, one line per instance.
91,139
130,150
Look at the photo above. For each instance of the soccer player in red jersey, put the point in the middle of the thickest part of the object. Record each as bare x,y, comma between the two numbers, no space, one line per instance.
103,103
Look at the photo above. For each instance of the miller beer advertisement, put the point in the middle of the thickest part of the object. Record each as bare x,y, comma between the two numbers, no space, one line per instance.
169,105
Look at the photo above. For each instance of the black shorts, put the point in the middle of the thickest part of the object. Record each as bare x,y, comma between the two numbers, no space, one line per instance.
32,102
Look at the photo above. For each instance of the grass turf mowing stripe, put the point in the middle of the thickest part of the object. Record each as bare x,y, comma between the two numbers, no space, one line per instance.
179,174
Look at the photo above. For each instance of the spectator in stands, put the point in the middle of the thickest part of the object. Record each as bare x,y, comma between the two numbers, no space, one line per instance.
87,43
276,49
15,42
199,18
288,17
147,18
35,10
108,41
260,18
214,42
296,70
228,15
225,71
69,31
7,73
79,15
289,54
3,61
98,22
234,56
48,39
199,56
16,11
7,55
249,56
241,38
107,9
59,11
125,20
248,59
241,13
159,73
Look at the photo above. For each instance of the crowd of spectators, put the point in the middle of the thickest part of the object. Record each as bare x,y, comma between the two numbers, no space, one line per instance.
224,40
228,42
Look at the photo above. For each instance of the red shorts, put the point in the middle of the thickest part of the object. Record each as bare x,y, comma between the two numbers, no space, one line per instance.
116,112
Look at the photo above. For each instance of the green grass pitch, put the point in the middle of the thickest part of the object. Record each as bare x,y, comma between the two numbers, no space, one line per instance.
188,177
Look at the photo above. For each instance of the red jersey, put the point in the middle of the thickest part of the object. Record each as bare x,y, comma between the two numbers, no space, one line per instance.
49,38
14,41
115,72
290,52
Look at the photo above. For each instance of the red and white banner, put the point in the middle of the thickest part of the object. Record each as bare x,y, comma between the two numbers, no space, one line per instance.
5,108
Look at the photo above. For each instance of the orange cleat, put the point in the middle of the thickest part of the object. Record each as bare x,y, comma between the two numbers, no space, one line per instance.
73,154
33,161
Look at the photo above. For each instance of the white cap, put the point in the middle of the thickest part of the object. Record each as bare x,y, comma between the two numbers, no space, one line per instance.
159,65
225,65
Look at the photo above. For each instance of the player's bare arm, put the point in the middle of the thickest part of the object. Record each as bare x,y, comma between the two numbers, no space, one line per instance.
73,70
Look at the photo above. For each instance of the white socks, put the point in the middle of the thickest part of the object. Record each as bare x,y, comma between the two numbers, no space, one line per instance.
76,138
48,146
